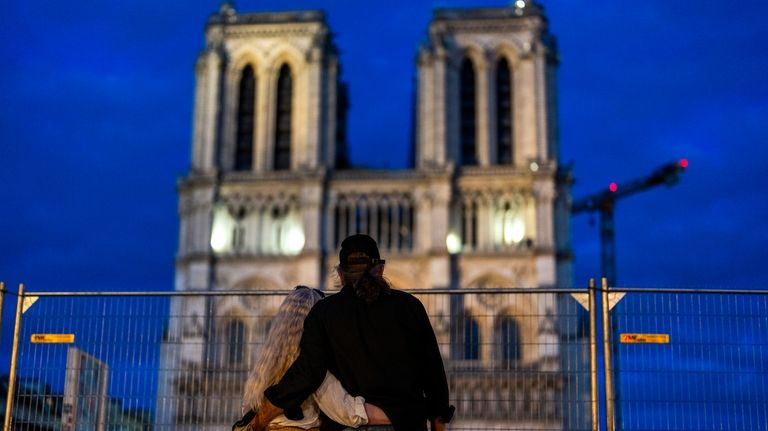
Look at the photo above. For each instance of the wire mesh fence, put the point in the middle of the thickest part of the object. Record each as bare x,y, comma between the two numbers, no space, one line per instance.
516,359
703,363
88,363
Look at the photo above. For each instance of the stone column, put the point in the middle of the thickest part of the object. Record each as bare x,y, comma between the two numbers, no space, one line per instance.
482,148
312,131
426,111
198,125
544,193
265,119
422,220
210,109
484,224
440,107
228,107
440,194
438,224
310,204
525,111
540,72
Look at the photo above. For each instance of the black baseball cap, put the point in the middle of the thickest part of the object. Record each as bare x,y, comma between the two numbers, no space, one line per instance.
359,243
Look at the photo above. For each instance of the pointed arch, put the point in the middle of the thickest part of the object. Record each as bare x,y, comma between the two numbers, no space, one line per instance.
283,119
286,54
491,280
466,331
467,113
246,119
465,336
511,51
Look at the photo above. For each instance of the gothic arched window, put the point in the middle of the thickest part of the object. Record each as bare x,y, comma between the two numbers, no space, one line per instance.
504,130
466,338
282,156
471,338
245,120
510,349
468,114
235,331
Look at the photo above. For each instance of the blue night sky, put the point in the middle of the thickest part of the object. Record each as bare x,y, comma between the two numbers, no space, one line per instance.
95,123
96,109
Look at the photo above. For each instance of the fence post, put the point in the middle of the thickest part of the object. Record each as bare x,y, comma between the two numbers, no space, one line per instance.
609,406
14,355
2,302
593,354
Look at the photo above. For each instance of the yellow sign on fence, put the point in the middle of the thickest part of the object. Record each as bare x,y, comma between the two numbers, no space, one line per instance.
645,338
53,338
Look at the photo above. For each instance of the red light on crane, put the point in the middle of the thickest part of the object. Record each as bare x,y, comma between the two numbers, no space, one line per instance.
613,187
683,163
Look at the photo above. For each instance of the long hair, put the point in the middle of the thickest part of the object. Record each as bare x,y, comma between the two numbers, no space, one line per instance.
281,346
365,276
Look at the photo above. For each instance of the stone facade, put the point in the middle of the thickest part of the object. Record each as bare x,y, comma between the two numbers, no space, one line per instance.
464,217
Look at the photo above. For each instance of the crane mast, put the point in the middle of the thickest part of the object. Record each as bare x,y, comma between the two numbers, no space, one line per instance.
604,202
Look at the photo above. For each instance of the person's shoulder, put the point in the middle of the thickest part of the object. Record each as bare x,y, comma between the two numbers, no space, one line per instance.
331,300
401,294
404,297
321,305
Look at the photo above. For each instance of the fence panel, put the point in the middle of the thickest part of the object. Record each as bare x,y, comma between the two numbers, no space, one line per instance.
516,359
88,363
712,374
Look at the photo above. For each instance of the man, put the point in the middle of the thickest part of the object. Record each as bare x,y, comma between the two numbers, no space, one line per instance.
376,340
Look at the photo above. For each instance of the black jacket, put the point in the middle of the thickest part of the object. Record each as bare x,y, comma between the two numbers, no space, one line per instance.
385,351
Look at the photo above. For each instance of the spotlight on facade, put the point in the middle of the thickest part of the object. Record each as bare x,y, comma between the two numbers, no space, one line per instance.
453,243
293,242
520,4
221,233
534,167
517,230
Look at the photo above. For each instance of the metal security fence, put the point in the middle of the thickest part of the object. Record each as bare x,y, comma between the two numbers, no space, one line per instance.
690,359
516,359
85,362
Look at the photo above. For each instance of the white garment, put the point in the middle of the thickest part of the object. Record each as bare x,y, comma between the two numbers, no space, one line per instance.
334,401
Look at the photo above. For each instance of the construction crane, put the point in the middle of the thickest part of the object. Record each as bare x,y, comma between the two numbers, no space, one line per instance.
604,201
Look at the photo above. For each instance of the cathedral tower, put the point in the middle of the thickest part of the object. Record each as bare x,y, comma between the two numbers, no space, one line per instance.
269,198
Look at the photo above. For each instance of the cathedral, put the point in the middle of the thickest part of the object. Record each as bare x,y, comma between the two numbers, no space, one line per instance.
270,193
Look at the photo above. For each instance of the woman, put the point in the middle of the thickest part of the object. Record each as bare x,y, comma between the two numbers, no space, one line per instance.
275,357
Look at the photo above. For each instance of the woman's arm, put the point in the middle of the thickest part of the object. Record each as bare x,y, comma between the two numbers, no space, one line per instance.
376,416
343,408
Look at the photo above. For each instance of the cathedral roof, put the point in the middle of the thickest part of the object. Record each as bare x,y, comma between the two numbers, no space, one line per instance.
228,15
516,9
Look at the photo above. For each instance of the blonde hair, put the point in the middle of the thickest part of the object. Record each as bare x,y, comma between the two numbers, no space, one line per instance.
281,346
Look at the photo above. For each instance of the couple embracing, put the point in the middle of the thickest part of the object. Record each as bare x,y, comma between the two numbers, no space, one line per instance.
365,358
